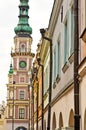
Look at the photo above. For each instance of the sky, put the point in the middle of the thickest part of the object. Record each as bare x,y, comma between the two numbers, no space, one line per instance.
39,15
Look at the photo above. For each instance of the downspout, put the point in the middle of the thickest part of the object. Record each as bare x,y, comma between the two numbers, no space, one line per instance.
43,31
39,60
76,63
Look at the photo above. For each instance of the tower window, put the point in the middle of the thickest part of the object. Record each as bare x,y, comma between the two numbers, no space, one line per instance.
21,113
21,94
23,48
22,79
23,11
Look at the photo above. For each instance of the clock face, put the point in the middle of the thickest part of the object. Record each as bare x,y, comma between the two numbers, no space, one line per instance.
22,64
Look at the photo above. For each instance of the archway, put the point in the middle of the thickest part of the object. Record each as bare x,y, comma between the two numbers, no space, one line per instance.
44,124
71,118
85,120
60,120
54,121
21,128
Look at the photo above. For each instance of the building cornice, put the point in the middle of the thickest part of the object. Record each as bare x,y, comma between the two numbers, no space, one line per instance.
54,16
44,49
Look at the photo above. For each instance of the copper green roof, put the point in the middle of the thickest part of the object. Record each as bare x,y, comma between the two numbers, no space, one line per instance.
11,69
23,24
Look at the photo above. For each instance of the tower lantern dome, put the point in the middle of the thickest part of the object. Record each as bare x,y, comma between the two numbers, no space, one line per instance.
23,27
23,0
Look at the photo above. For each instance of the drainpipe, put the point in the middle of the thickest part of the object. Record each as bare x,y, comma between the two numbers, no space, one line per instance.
39,60
76,63
42,31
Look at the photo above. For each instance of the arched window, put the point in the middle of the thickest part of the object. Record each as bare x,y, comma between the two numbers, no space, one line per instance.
85,120
21,128
23,48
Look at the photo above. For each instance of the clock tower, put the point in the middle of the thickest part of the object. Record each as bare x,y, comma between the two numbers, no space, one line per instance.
19,73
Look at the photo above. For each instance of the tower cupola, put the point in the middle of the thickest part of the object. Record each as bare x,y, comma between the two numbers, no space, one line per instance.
11,69
23,27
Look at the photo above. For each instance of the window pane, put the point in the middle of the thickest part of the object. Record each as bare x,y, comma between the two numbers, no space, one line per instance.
21,113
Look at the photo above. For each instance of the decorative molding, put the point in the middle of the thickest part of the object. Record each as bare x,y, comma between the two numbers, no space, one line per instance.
83,35
22,54
64,90
54,15
82,68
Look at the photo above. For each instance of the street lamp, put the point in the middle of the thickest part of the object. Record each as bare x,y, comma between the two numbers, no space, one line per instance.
13,108
39,60
42,31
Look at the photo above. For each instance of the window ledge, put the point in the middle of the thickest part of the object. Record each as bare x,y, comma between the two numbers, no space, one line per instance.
71,58
65,67
45,96
57,78
54,85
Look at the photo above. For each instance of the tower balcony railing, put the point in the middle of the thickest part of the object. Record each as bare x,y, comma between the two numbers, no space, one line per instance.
19,51
23,50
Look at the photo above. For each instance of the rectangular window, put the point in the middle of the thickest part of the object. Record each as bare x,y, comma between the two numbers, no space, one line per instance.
46,79
21,113
58,57
21,94
54,63
48,73
72,31
66,41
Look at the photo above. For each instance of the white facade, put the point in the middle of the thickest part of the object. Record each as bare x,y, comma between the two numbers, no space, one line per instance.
62,104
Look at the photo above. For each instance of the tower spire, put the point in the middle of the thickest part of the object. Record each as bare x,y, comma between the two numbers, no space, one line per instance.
23,27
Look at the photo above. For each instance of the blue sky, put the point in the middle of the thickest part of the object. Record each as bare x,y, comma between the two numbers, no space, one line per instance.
39,14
